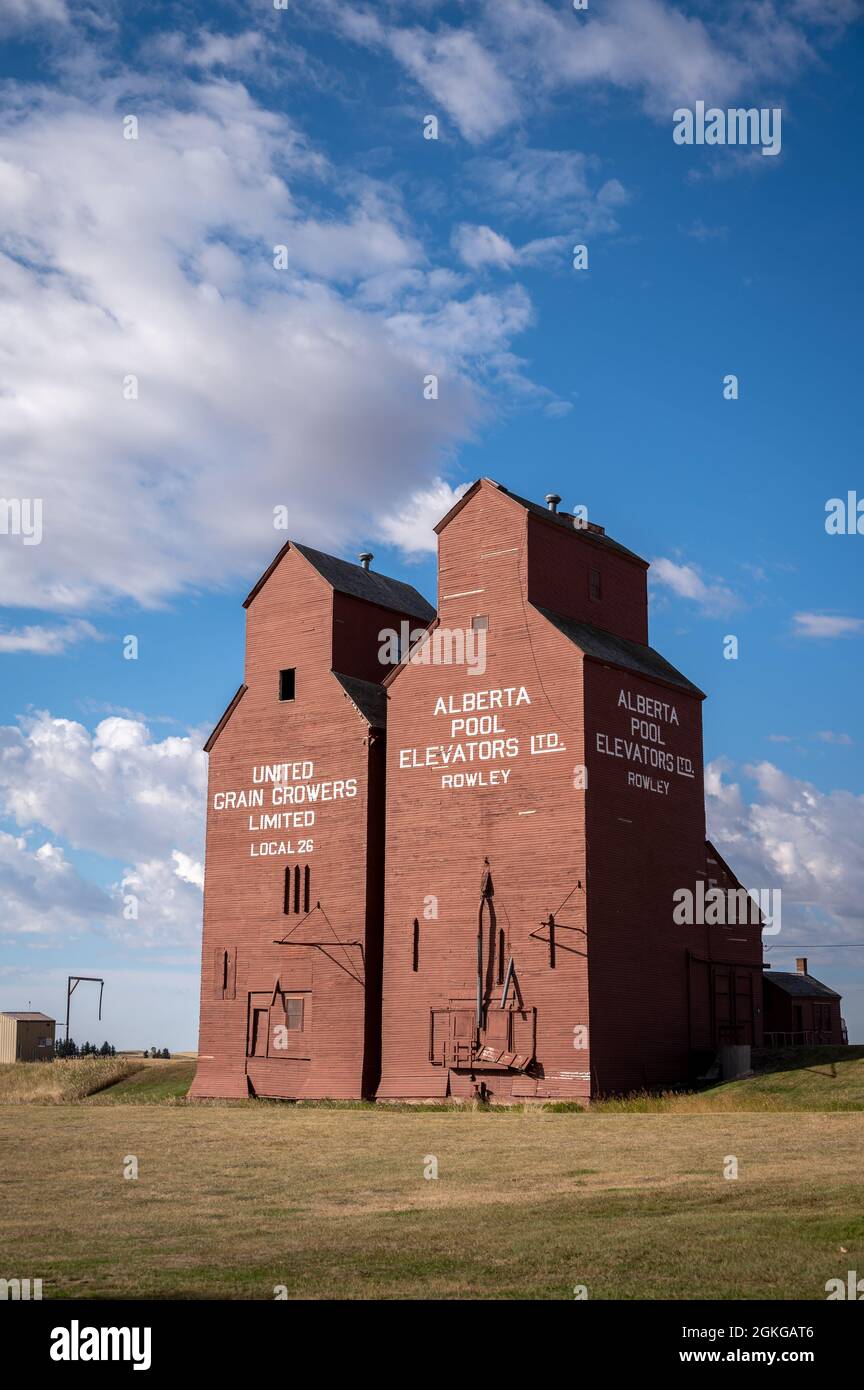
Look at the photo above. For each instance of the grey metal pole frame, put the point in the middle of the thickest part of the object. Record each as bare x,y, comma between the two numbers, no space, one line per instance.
71,988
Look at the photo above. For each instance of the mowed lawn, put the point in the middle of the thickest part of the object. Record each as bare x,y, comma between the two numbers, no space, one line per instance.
232,1201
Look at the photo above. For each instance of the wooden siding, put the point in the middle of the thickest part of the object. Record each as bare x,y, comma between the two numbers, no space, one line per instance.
331,952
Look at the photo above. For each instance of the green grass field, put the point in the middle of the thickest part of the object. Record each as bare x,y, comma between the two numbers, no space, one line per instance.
233,1200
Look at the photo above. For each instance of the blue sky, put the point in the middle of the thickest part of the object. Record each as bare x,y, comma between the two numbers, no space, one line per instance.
302,387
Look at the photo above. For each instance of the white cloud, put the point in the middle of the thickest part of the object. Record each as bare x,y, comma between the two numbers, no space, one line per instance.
256,387
224,50
826,625
42,894
168,902
455,69
481,246
792,836
685,581
16,15
47,641
518,52
531,182
116,793
829,736
451,65
412,527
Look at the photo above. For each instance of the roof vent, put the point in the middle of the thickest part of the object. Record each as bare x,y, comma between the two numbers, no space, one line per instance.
552,500
801,965
366,559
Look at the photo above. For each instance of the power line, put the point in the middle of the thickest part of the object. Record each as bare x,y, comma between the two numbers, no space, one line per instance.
823,946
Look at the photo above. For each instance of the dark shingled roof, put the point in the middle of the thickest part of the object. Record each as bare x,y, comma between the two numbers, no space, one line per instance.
567,521
369,697
800,985
619,651
31,1018
368,584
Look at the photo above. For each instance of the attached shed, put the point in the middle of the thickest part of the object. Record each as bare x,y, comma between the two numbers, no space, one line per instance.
27,1037
800,1011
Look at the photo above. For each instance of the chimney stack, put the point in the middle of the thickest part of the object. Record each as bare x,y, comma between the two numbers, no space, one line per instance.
366,559
552,500
801,965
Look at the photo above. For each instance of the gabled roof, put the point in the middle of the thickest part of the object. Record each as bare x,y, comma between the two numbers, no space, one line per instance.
352,579
369,697
31,1018
619,651
225,717
800,986
563,520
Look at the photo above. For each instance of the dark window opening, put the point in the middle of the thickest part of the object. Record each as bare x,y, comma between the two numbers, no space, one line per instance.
286,684
594,585
294,1015
480,623
501,957
415,964
294,893
224,972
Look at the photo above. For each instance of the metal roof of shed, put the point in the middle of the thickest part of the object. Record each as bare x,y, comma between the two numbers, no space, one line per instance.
800,985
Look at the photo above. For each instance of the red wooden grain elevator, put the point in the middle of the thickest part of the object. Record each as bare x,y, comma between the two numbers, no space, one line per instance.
540,797
291,960
540,817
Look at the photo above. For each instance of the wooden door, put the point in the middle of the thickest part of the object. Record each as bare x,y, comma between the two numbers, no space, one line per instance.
259,1032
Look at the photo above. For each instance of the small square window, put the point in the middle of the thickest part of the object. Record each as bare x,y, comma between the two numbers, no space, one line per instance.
480,623
294,1015
286,684
594,585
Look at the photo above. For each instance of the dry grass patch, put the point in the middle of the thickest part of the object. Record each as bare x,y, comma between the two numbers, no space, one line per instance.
64,1079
